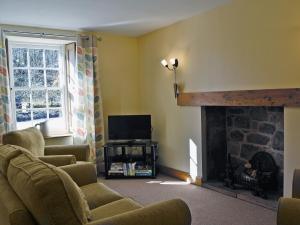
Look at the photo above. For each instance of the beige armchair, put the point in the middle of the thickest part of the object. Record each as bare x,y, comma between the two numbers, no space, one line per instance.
289,208
58,155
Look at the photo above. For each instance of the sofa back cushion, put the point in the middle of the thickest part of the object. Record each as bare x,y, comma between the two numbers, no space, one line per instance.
30,138
48,192
7,152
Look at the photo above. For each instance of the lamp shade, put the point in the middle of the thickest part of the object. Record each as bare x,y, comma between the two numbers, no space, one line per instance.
164,63
174,62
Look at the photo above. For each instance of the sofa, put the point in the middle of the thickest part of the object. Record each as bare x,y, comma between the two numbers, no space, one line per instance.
289,208
33,192
58,155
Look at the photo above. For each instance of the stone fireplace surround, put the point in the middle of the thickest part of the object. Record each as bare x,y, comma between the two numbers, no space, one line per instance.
289,98
242,132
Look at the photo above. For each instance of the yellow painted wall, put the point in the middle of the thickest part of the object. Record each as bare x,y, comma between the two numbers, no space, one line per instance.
242,45
119,77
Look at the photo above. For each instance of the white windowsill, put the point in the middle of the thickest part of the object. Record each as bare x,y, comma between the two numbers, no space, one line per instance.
58,135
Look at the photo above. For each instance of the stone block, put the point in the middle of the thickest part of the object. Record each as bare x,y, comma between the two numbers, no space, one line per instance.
234,148
258,139
278,141
229,121
278,119
275,109
259,113
236,135
278,157
236,110
267,128
254,125
242,122
237,161
248,150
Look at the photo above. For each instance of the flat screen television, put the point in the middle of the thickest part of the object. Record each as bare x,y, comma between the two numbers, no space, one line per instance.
129,127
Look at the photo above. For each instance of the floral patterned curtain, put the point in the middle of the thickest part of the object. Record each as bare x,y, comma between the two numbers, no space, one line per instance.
86,103
5,121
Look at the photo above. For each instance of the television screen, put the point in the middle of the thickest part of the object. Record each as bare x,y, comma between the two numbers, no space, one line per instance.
129,127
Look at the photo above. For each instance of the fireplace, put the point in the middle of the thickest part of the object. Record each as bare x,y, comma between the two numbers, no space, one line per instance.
241,131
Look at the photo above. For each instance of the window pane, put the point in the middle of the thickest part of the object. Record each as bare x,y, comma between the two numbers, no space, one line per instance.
37,78
21,78
23,116
54,98
51,58
39,114
19,57
52,78
36,57
22,99
39,99
55,113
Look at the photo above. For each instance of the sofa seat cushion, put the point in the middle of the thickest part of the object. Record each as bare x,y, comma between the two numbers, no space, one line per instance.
48,192
97,194
30,138
8,152
115,208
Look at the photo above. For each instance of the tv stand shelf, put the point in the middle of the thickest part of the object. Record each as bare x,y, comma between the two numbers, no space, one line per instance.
130,159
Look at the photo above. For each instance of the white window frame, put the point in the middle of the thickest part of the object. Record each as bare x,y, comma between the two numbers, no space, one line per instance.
62,86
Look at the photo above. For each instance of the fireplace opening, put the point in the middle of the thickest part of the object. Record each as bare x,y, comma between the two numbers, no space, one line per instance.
243,152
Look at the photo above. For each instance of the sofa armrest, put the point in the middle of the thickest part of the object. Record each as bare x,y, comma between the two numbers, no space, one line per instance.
82,173
59,160
288,211
174,212
81,152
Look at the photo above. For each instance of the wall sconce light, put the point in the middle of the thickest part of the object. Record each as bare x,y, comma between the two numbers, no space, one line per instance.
173,67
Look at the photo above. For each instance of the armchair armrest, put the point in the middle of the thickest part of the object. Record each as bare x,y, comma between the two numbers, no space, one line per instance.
59,160
174,212
82,173
288,211
296,184
81,152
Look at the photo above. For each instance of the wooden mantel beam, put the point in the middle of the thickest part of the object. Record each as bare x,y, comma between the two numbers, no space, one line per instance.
264,97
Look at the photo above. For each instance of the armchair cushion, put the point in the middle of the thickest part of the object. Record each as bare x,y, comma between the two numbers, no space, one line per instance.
81,152
82,173
48,192
115,208
7,153
58,160
97,194
174,212
30,139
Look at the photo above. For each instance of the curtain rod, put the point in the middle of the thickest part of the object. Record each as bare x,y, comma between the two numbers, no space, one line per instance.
43,35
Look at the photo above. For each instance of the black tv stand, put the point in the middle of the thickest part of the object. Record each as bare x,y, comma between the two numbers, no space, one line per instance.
130,159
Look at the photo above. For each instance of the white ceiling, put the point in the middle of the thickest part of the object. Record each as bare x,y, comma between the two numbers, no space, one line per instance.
129,17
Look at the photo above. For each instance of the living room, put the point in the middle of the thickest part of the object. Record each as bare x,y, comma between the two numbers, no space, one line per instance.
232,57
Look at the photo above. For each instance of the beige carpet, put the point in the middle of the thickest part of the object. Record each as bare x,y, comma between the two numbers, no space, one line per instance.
207,207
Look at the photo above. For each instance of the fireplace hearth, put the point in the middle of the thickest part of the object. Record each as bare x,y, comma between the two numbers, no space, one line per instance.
242,132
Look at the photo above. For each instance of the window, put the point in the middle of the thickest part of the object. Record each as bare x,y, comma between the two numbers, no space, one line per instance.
38,85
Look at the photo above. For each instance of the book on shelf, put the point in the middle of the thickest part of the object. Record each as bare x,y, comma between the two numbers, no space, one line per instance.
130,169
143,172
116,168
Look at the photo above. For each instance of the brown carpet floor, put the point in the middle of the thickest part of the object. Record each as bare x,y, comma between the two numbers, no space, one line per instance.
207,207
